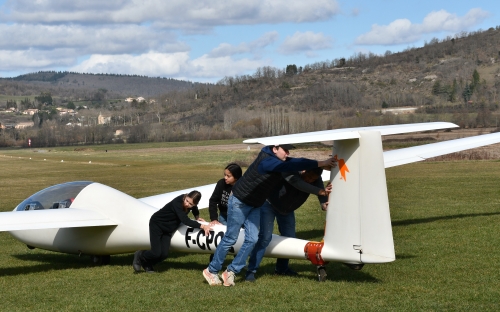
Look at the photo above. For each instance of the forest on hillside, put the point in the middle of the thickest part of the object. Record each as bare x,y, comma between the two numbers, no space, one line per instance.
455,79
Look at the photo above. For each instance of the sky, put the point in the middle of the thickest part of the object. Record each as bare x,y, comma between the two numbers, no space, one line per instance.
204,41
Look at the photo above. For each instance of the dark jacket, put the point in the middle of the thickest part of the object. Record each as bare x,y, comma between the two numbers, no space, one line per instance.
293,192
219,199
264,174
172,215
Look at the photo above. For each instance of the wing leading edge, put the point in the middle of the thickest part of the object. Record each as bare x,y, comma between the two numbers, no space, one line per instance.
349,133
52,218
418,153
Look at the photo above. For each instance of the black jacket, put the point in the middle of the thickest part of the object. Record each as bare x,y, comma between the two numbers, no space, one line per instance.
264,174
219,199
172,215
293,193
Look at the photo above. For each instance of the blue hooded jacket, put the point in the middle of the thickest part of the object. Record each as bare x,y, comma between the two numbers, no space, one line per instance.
264,174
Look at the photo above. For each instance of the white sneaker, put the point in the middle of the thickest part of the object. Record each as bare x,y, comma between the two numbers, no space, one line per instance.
212,279
228,278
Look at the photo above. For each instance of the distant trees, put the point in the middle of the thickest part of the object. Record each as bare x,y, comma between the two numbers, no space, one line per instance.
467,93
291,70
44,98
11,103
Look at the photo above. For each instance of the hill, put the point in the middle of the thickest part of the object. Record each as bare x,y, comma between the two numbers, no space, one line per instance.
453,79
70,83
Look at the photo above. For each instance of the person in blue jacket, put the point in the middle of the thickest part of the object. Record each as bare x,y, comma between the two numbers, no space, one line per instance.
248,195
289,196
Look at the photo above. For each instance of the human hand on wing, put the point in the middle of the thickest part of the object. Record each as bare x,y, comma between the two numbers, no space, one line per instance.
328,163
328,188
206,228
324,206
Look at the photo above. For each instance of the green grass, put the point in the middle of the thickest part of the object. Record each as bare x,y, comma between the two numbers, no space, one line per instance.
18,98
445,215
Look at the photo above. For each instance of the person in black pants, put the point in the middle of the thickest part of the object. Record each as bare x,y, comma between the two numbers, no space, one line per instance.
162,226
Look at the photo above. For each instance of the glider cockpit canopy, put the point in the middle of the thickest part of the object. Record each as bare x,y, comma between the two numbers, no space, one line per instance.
54,197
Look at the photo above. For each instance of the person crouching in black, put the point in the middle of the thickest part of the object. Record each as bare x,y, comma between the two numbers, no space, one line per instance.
162,226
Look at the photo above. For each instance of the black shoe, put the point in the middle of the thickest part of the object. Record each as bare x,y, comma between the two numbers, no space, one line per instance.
149,269
287,272
354,266
250,277
137,261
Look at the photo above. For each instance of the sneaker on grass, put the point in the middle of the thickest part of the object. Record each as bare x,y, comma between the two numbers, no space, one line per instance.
228,278
212,279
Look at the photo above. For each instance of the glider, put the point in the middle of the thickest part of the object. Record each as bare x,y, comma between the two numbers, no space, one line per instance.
90,218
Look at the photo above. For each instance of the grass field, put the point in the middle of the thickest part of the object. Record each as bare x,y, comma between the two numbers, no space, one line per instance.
445,216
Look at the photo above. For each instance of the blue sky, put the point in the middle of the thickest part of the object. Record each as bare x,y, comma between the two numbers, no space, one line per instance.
204,41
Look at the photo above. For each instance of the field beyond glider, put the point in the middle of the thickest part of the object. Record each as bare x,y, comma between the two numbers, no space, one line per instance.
445,218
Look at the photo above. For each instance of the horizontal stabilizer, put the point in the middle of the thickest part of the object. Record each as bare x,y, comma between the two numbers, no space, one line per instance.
158,201
51,218
418,153
349,133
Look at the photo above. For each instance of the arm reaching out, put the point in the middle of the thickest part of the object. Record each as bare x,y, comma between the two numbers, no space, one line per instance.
328,163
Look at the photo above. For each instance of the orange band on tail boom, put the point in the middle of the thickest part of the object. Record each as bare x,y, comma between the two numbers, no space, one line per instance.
312,251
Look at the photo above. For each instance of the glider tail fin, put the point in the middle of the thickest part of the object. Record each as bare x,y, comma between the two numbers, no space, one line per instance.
358,224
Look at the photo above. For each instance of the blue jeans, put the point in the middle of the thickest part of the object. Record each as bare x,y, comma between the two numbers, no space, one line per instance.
286,226
223,219
238,214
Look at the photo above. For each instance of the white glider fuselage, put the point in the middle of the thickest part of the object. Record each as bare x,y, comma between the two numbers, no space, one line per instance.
129,229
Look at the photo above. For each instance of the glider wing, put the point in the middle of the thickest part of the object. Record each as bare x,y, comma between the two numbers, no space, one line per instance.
418,153
349,133
52,218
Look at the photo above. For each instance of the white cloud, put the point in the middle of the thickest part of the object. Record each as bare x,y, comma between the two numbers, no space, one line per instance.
88,40
403,31
176,65
206,67
397,32
225,49
179,14
150,64
305,42
129,36
33,60
442,20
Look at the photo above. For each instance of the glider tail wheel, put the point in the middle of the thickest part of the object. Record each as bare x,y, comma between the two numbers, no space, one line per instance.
321,273
100,260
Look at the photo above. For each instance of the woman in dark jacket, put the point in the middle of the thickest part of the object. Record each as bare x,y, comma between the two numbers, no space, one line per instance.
221,193
162,226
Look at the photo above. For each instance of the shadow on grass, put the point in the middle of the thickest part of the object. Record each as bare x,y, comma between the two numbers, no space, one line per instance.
336,272
403,256
49,262
43,262
433,219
